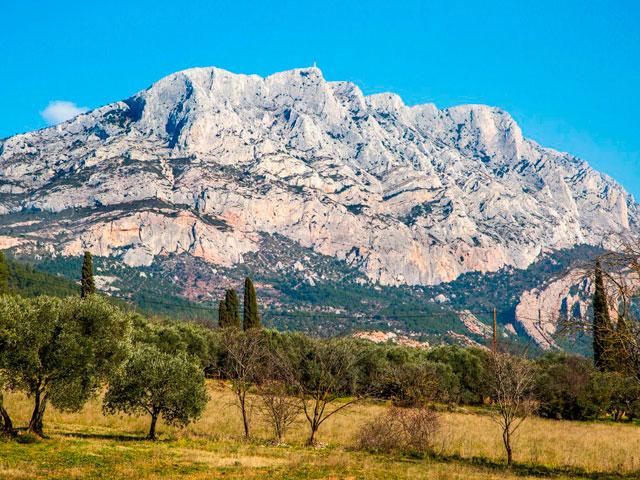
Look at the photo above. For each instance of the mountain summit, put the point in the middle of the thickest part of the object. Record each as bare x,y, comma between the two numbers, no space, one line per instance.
209,163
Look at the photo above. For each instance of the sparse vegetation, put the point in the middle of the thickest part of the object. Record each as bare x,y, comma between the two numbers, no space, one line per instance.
88,445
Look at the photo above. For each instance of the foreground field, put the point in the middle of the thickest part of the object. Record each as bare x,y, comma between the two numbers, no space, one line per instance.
89,445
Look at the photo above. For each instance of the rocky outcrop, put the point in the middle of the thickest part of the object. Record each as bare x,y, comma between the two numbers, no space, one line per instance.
204,161
539,310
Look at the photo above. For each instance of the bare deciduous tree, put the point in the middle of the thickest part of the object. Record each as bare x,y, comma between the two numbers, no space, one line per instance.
277,406
323,372
510,382
244,362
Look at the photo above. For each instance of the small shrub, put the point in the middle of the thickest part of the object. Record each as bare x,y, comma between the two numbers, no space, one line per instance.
408,430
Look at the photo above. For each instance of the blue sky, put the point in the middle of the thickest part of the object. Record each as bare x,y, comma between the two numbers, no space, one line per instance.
568,71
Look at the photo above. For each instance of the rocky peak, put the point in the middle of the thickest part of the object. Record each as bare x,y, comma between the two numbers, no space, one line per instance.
407,194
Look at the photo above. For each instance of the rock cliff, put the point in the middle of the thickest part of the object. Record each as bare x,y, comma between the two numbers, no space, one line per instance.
204,161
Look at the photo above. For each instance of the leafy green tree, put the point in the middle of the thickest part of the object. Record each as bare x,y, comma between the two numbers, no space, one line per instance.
178,337
223,314
233,308
563,387
159,384
87,285
616,394
4,275
414,385
62,349
251,316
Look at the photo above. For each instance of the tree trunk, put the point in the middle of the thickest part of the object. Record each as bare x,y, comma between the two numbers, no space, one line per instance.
312,439
7,424
245,419
152,429
40,404
506,438
245,423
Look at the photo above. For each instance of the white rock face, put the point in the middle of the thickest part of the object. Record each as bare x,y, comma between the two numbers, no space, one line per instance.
539,309
204,160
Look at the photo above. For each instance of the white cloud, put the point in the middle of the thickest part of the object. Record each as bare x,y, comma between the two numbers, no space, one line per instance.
61,111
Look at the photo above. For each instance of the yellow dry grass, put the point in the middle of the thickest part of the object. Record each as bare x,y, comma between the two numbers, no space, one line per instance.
87,444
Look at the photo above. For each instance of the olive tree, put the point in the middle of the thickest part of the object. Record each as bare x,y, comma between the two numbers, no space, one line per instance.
7,344
160,384
62,349
173,337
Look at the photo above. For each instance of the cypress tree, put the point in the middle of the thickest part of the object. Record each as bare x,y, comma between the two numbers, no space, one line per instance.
251,317
601,323
233,308
4,275
223,314
87,285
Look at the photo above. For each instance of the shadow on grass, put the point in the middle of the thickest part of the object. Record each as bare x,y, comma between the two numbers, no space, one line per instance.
534,470
108,436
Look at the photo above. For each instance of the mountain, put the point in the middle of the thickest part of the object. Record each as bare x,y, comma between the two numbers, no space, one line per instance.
207,171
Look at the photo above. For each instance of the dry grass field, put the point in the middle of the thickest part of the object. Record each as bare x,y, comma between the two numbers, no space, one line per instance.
88,445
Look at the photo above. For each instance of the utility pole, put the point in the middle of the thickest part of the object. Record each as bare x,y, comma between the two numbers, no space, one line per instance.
495,337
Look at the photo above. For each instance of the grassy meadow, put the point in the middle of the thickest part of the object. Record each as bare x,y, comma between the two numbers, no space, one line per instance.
88,445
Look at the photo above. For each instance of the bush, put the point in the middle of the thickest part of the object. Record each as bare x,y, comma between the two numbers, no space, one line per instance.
407,430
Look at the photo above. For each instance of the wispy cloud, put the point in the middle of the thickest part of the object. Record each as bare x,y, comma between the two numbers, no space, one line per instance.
60,111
